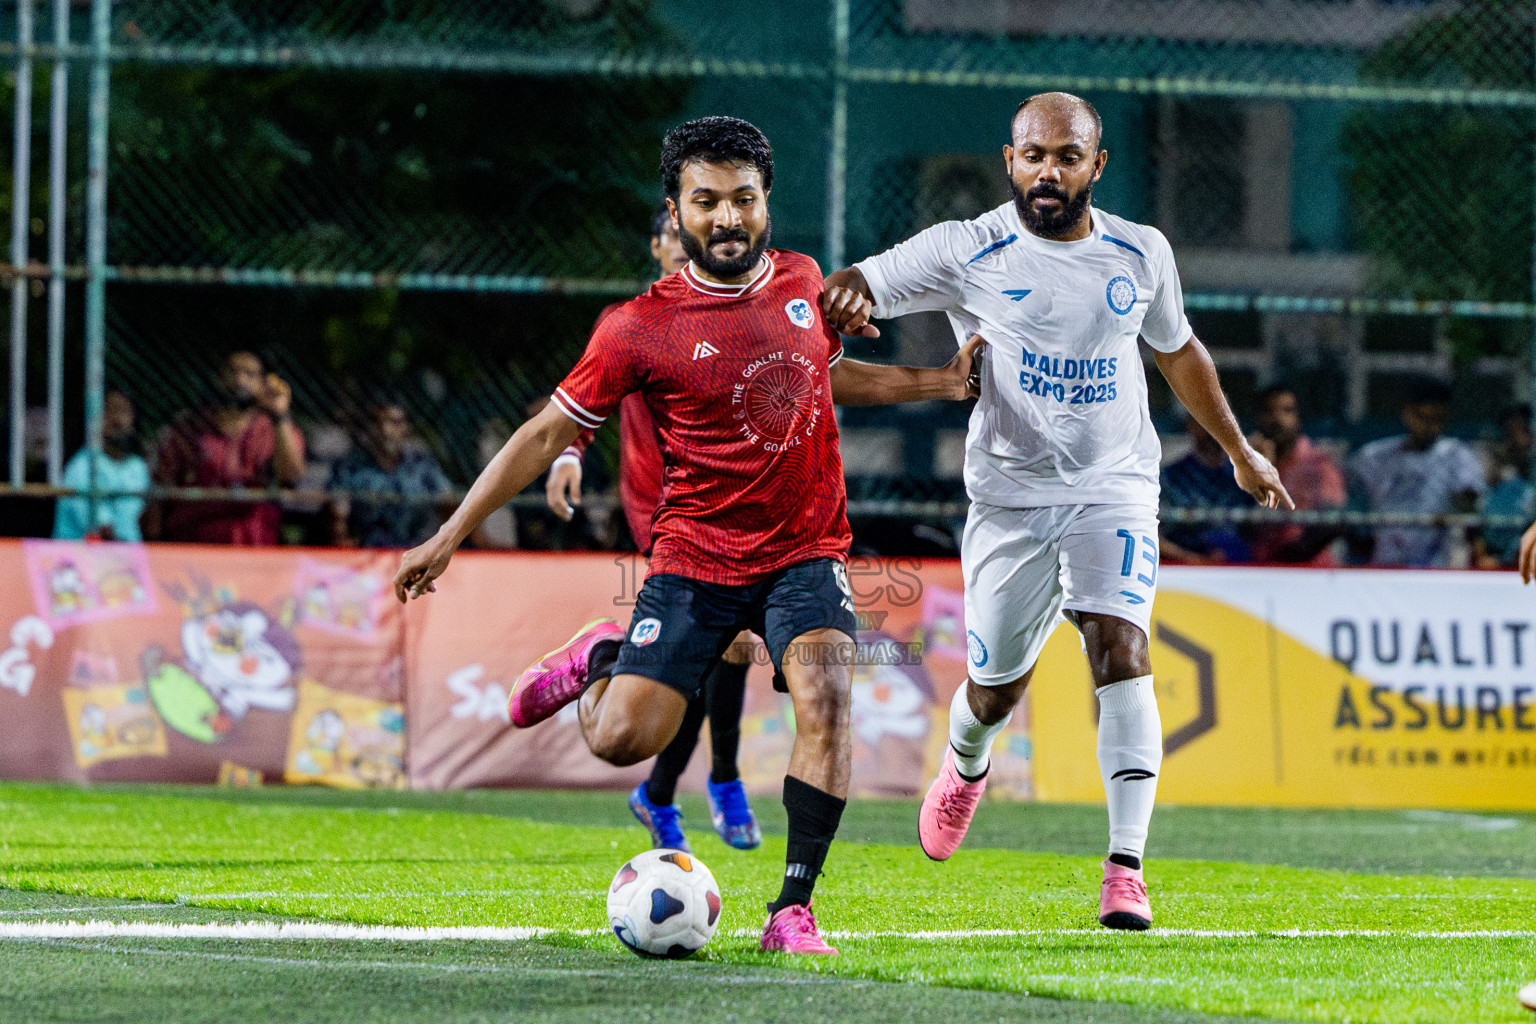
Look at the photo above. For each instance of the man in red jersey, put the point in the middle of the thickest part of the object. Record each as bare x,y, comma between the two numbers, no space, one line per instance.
739,371
724,691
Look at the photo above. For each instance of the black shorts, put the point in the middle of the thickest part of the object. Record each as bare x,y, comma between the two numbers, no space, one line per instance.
682,626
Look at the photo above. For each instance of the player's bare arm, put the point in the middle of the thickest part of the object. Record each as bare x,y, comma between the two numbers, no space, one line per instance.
856,383
562,491
526,454
1527,561
1192,374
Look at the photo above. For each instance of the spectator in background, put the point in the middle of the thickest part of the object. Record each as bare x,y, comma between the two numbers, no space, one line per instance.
1510,492
1420,471
388,461
1314,479
1202,479
247,438
120,472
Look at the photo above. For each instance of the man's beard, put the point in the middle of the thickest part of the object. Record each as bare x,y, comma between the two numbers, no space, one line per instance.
723,269
1050,225
233,397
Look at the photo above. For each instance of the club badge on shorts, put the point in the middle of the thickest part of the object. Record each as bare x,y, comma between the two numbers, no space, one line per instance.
975,648
646,631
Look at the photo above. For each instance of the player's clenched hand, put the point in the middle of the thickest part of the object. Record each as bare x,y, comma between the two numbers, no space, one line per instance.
1256,475
563,489
965,368
1528,554
847,311
419,567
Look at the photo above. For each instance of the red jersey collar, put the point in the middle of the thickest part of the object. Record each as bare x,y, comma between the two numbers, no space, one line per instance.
729,291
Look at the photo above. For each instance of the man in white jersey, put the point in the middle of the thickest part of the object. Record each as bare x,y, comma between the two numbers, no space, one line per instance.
1061,460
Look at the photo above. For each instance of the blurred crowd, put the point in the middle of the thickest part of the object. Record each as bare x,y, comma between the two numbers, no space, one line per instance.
377,485
1421,471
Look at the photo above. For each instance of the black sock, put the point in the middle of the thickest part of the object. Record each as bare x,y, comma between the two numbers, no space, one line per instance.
600,662
727,692
661,787
813,820
1125,860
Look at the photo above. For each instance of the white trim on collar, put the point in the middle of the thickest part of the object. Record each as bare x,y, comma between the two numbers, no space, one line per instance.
729,291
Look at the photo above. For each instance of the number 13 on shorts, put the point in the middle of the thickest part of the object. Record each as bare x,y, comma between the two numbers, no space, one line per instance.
1139,562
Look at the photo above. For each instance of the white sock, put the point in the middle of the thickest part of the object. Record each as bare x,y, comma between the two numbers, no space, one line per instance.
971,738
1130,756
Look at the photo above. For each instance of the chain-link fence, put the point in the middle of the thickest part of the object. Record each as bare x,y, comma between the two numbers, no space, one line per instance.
432,200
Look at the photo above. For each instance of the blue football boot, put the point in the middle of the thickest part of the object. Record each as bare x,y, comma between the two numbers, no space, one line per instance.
663,822
732,816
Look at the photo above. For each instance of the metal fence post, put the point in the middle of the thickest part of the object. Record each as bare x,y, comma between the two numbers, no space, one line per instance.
20,223
96,237
837,150
58,141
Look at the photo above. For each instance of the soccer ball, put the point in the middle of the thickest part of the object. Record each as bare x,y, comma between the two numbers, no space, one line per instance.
664,903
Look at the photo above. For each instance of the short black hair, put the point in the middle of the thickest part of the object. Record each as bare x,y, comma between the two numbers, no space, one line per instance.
1428,391
661,221
714,140
1093,112
1275,390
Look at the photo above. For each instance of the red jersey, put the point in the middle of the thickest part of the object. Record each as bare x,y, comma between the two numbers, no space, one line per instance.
196,453
640,463
736,379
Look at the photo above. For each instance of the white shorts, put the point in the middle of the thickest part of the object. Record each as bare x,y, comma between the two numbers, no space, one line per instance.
1025,566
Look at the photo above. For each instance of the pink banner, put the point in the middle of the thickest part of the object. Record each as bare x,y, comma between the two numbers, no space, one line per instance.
198,664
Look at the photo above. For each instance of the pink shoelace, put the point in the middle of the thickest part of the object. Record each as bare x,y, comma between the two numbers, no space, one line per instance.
1126,888
957,805
801,922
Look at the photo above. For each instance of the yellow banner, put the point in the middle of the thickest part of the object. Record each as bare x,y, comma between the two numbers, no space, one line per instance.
1253,716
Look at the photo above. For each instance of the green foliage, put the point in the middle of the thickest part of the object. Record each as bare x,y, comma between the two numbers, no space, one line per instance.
1443,193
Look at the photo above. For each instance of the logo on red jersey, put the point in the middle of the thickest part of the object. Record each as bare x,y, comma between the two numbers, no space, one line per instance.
704,349
800,313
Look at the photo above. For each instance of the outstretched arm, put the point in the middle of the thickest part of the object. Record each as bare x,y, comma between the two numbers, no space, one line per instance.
856,383
519,463
1192,375
847,303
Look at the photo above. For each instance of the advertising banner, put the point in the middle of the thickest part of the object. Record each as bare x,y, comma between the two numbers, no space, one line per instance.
204,664
1276,687
1293,687
170,663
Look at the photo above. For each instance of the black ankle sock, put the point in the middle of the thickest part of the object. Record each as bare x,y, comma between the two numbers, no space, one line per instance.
972,779
813,819
600,662
1125,860
726,689
661,787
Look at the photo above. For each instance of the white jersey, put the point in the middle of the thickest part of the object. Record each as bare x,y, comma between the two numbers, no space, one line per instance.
1063,417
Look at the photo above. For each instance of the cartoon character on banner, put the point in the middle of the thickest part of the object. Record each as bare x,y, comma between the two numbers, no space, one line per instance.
237,656
337,599
66,590
892,696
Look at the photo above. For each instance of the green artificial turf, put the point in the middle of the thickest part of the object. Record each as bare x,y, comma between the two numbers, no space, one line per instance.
465,860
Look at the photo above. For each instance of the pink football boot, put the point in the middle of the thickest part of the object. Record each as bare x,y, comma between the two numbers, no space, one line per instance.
556,679
793,930
1123,899
947,810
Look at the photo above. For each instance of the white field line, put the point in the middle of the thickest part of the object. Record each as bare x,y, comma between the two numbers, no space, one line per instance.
273,894
306,930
